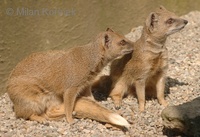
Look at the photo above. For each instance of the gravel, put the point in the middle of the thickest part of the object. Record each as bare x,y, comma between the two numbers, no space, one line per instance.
183,85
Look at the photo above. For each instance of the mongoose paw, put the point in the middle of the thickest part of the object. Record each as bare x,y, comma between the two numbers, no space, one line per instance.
70,120
164,103
141,108
117,104
42,121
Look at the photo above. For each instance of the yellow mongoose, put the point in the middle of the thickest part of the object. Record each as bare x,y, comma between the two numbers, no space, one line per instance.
145,70
44,80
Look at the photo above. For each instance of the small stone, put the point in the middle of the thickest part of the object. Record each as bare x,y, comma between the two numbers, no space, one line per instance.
86,131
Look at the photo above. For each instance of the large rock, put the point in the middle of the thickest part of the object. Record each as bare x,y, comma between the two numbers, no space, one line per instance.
183,118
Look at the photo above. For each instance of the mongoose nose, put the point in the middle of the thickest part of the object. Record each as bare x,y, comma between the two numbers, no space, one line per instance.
185,21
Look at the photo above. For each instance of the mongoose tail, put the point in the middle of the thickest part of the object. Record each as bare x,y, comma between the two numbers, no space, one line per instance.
87,108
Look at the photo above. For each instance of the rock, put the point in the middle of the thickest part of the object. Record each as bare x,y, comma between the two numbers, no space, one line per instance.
184,118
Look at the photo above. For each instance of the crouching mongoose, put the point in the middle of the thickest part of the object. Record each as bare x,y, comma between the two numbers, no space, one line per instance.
45,80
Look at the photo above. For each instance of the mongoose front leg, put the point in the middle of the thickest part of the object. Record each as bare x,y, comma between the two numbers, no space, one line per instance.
160,87
140,91
117,98
117,94
69,102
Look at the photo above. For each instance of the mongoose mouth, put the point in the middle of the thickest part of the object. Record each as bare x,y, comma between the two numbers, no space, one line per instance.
176,30
127,51
182,27
124,52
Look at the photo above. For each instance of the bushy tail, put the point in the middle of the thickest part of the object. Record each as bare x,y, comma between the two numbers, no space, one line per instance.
87,108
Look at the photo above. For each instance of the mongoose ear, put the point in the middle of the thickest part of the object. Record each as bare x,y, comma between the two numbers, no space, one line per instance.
109,29
152,21
106,41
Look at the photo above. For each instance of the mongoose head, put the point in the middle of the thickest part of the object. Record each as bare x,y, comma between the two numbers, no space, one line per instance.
115,45
163,23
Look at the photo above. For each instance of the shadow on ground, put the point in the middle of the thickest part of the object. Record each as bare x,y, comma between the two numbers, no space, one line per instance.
102,88
170,82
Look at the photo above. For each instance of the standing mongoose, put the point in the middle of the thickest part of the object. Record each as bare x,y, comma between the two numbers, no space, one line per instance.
45,80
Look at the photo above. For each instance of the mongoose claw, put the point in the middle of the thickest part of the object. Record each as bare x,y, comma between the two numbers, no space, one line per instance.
164,103
117,107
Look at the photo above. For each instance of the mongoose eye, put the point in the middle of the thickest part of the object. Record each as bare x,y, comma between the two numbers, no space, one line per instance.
122,42
170,21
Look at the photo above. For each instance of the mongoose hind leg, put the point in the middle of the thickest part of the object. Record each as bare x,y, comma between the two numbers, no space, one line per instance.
39,118
56,112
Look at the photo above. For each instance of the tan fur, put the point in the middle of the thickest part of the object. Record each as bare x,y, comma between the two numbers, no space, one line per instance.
46,79
145,70
87,108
